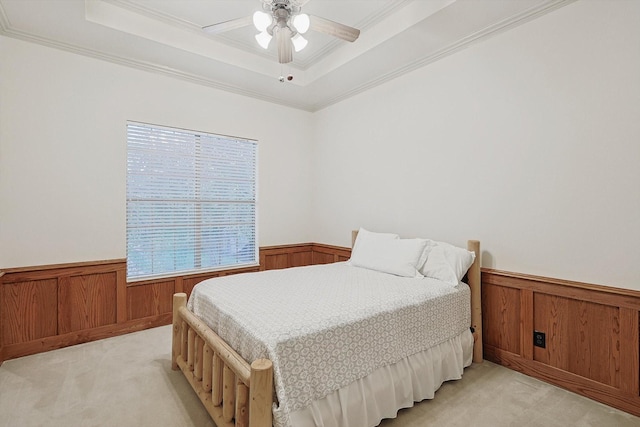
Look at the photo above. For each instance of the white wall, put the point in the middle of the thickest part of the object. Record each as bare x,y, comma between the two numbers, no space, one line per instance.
529,141
63,152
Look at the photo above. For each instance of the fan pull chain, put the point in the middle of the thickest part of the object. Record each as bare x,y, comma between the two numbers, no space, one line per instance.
282,78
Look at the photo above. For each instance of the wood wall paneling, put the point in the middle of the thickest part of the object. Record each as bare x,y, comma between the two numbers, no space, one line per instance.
326,254
121,293
501,317
86,301
52,306
29,310
2,321
592,334
300,259
285,256
276,261
323,258
148,300
526,323
630,351
582,337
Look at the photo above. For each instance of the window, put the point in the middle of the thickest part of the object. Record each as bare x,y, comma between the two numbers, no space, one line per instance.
191,201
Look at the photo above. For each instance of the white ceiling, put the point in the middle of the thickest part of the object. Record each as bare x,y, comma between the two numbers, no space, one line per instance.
165,36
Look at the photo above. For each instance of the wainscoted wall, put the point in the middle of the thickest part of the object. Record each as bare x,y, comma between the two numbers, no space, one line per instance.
54,306
592,334
273,257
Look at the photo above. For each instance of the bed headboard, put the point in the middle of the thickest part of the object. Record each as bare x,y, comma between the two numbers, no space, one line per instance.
474,282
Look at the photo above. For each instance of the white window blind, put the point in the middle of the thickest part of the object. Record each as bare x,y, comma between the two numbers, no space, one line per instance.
191,201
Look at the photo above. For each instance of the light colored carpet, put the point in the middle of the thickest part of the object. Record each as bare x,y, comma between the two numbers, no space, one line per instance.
127,381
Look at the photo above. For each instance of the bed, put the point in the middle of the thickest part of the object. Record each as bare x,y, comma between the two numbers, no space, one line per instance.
348,346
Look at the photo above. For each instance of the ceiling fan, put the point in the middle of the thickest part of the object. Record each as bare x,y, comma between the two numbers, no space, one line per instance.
283,20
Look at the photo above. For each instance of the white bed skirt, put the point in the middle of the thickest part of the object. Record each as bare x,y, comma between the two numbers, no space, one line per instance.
364,403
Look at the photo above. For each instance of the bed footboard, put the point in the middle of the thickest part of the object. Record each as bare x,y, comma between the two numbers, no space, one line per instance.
232,391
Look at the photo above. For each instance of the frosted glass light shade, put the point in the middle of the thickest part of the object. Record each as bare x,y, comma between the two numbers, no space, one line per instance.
299,42
261,20
263,39
301,22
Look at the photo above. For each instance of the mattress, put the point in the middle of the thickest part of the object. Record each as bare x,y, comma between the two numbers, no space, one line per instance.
326,326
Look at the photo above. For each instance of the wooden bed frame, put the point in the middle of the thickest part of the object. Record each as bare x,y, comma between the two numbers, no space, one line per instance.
236,393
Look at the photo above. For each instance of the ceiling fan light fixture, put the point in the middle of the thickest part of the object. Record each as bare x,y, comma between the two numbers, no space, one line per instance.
301,22
299,42
263,39
283,20
262,20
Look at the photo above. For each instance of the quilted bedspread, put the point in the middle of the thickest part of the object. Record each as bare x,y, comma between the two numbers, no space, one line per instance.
326,326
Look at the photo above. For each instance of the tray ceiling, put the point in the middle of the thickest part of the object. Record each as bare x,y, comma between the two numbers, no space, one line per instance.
165,36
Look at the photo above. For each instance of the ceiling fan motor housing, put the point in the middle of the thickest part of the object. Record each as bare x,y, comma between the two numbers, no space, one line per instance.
281,10
271,6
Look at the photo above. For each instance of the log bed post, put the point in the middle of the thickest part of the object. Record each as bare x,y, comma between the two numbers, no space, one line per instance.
179,300
261,394
474,279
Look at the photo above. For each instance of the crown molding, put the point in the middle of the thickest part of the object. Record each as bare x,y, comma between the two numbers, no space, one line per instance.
4,20
483,34
471,39
183,24
150,67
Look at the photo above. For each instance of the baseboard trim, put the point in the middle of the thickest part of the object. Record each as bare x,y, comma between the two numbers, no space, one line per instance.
13,351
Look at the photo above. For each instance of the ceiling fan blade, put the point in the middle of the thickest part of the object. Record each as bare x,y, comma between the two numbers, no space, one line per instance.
332,28
221,27
285,47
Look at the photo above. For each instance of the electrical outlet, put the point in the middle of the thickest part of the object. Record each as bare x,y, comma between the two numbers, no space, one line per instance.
539,339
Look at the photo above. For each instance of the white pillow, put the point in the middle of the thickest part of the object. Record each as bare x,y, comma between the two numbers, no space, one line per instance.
394,256
365,236
425,253
447,263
